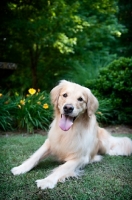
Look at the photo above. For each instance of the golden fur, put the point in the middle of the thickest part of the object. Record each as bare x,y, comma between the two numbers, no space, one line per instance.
74,136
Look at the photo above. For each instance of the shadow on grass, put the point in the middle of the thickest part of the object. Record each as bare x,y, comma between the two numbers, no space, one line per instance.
47,164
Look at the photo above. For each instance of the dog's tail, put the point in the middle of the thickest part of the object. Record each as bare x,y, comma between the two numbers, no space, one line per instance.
111,145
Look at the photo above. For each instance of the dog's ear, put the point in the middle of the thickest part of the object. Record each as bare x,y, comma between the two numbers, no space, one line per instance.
92,104
56,91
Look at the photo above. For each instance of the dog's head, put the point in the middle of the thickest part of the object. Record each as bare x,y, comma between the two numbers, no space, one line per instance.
71,100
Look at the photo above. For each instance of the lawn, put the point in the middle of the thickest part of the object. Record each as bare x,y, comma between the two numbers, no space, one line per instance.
109,179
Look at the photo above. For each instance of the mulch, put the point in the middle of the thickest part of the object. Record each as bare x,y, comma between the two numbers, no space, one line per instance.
121,129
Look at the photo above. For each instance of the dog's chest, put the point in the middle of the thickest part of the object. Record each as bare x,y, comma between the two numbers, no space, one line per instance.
69,145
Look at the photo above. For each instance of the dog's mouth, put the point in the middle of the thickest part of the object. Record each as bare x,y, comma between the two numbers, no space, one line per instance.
66,122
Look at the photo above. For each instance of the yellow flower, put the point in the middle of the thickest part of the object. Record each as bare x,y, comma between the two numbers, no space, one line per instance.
27,95
19,106
22,102
38,102
1,94
32,91
45,106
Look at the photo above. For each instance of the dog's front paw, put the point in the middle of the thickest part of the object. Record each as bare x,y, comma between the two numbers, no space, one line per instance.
18,170
45,183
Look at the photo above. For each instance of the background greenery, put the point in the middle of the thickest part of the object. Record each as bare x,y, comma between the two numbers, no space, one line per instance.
49,40
114,91
28,112
109,179
73,40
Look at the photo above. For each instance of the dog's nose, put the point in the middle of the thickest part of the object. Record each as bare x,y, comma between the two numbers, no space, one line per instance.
68,108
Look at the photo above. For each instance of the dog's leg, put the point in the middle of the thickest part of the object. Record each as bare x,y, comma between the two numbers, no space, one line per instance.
26,166
96,158
65,170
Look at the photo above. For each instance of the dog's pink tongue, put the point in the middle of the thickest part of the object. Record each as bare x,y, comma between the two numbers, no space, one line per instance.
65,122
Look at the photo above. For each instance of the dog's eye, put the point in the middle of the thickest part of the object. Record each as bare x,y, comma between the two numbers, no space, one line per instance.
80,99
65,95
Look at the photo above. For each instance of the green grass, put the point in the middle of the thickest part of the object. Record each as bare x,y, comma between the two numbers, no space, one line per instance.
109,179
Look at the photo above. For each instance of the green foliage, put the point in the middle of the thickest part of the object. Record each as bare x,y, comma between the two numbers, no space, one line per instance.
29,112
114,83
6,119
48,39
124,17
33,112
88,69
103,114
61,39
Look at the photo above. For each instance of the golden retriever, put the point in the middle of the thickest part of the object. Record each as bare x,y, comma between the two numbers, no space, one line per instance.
74,136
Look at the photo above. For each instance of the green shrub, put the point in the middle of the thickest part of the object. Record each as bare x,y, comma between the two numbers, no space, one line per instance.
33,111
103,114
6,119
115,83
28,112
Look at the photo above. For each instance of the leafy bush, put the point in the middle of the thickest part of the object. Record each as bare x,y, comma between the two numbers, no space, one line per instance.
115,83
6,119
103,114
33,111
28,112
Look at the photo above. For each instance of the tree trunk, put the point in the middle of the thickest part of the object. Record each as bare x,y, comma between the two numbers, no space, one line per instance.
34,75
34,57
